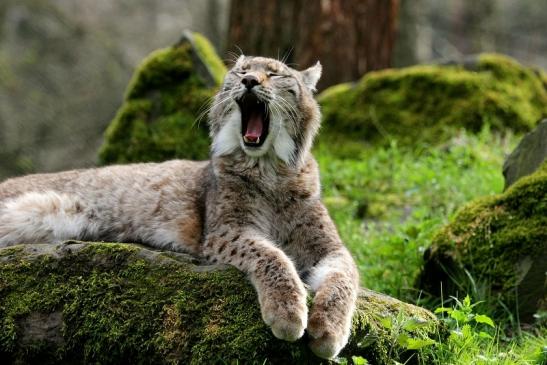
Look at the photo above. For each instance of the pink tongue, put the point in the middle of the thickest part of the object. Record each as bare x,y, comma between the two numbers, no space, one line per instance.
254,127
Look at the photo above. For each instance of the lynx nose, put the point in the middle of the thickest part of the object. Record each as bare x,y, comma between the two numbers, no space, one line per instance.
250,81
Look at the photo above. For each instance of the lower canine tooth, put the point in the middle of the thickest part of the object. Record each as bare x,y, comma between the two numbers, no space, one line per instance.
247,140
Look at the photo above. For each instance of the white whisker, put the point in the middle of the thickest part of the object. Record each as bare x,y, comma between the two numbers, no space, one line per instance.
289,112
216,103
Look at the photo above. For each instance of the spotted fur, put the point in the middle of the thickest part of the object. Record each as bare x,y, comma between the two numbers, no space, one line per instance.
256,208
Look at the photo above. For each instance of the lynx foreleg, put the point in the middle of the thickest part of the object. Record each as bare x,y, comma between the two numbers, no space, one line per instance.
333,278
281,293
335,283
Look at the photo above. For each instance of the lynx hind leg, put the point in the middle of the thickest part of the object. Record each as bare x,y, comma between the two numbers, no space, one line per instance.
42,217
335,283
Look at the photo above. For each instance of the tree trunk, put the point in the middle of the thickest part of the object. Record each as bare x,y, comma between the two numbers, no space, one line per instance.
349,37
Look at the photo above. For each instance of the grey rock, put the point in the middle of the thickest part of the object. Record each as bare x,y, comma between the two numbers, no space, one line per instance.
45,327
527,156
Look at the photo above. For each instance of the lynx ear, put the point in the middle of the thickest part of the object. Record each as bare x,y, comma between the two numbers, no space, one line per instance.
311,75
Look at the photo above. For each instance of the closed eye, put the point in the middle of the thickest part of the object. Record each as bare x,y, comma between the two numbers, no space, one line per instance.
272,75
239,72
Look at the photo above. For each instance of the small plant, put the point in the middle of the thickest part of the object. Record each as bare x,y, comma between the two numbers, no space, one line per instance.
467,329
475,339
407,335
355,360
405,332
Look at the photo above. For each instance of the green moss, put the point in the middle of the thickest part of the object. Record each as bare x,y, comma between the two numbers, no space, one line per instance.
379,324
119,303
429,103
164,100
10,251
118,307
334,91
206,52
161,69
492,238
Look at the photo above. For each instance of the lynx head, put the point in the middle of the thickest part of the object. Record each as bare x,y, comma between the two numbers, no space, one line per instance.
265,109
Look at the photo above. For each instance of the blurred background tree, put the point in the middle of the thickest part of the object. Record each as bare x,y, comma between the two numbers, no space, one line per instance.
350,37
64,64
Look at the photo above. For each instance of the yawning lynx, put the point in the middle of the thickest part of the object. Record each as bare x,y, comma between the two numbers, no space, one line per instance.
255,205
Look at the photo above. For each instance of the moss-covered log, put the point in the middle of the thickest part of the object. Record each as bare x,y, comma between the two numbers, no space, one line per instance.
105,303
158,119
498,246
429,102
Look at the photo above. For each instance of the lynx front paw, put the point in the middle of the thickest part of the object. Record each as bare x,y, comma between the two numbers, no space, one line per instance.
287,319
327,339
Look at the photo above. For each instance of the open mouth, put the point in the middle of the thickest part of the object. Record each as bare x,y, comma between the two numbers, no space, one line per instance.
255,120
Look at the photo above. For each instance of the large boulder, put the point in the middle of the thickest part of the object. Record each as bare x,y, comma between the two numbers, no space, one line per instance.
497,246
429,102
124,303
160,116
528,156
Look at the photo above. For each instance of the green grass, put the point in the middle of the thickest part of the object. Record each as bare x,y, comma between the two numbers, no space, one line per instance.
389,201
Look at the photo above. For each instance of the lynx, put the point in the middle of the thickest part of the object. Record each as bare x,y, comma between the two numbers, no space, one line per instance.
254,205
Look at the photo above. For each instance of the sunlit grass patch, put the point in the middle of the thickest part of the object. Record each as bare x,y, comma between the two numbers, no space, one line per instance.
387,202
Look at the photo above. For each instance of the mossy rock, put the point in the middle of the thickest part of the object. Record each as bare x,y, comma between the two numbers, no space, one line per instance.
77,302
429,102
495,247
158,119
